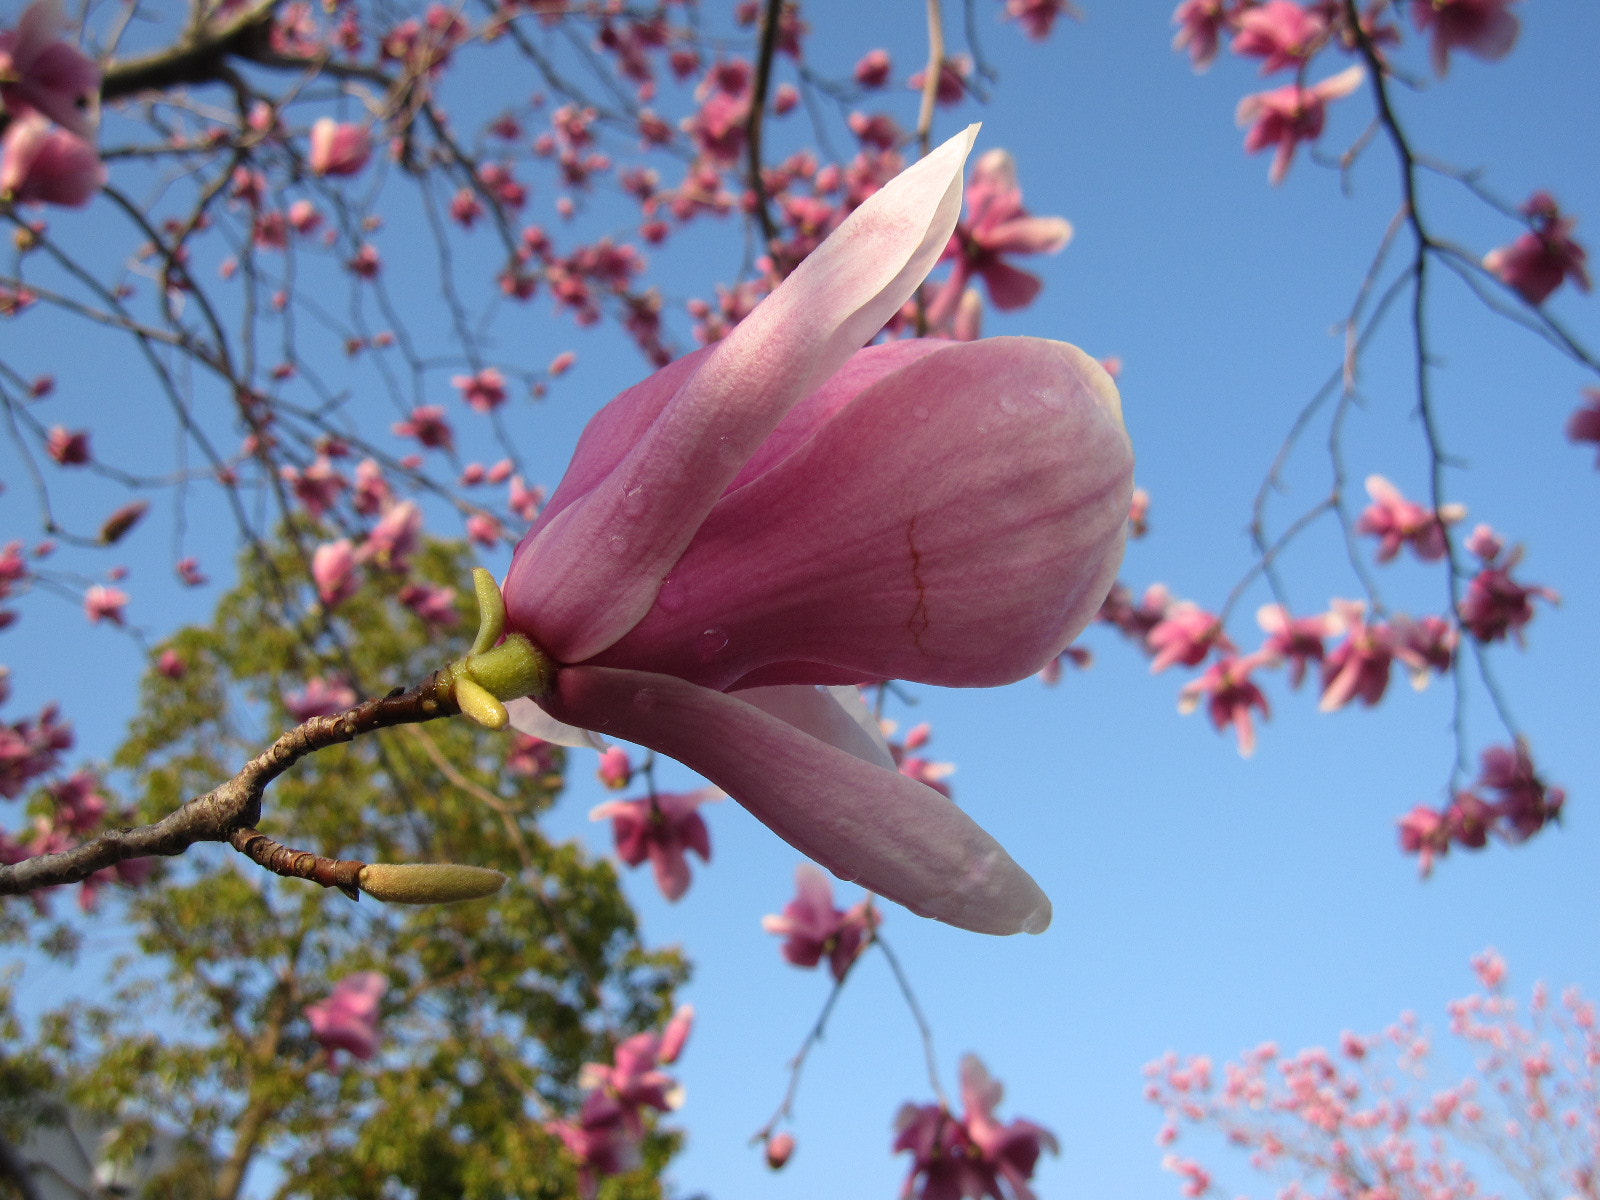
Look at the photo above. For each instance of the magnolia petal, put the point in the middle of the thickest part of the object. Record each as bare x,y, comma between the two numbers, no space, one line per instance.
969,558
1010,287
891,834
527,717
822,713
1029,235
594,567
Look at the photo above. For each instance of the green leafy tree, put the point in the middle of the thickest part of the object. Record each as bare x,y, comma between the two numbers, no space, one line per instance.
492,1005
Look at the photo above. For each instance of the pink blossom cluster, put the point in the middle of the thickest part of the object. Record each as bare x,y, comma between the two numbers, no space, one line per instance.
1519,805
50,95
973,1156
1496,604
1287,36
1368,1120
606,1136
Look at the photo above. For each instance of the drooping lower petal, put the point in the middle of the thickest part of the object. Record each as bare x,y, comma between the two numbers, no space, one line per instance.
969,557
864,823
590,570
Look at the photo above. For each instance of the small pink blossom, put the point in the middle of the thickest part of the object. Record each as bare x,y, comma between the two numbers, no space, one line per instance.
333,570
1396,521
616,769
1584,423
348,1019
339,148
69,448
1524,803
1481,27
1423,832
976,1156
1281,33
952,85
1497,605
1297,639
997,226
815,929
172,664
1038,17
321,697
1287,116
428,425
101,603
1186,635
1541,260
484,391
779,1150
434,605
1201,24
874,69
393,538
42,73
1358,668
663,828
44,164
1230,694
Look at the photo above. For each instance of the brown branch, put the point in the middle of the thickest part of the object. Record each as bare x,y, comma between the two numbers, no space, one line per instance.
342,873
771,16
200,57
235,806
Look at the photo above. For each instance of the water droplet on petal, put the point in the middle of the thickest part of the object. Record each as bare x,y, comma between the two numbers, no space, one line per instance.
1008,405
920,412
617,544
644,699
671,596
711,643
633,499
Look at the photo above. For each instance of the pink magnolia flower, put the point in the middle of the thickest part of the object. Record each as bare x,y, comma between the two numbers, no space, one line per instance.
101,603
348,1019
393,538
1287,116
41,73
1281,33
1200,27
997,225
609,1131
1540,261
428,425
1359,666
1525,802
1394,520
780,510
1496,604
1186,635
43,164
815,929
319,698
434,605
1038,17
974,1157
873,69
616,769
333,570
1297,639
484,391
663,828
1584,423
1481,27
339,148
1229,694
70,448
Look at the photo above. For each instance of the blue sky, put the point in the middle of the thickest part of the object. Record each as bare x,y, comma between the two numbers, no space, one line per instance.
1203,903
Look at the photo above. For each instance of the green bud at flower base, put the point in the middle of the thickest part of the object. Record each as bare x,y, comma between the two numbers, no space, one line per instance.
490,673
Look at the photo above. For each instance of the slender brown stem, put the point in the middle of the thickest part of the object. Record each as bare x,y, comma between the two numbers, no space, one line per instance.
771,15
236,804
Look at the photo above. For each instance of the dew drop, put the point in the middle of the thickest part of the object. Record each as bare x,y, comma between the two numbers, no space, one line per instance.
1008,405
633,499
920,413
711,643
644,699
671,596
617,544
